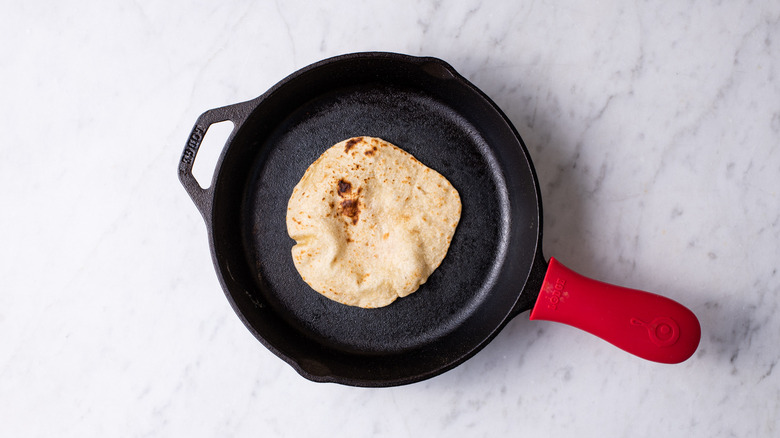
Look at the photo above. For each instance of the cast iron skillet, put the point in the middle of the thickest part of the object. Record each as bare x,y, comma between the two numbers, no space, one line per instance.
494,269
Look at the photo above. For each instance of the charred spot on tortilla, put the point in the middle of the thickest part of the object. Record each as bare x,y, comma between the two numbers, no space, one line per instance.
344,187
350,143
370,152
370,222
351,209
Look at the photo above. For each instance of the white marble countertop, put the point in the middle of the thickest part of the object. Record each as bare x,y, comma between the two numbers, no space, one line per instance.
653,126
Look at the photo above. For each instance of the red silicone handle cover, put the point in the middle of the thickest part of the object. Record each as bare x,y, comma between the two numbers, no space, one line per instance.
647,325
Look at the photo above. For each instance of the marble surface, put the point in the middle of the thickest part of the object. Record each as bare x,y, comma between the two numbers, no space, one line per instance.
654,128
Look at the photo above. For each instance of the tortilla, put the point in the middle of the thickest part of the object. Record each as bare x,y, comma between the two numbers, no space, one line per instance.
370,222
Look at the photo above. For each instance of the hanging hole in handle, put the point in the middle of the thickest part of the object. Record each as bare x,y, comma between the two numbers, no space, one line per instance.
208,153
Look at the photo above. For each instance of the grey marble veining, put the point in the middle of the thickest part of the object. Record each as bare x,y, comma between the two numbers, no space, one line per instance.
654,129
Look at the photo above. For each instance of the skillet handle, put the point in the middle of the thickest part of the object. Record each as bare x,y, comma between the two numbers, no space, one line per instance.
644,324
203,198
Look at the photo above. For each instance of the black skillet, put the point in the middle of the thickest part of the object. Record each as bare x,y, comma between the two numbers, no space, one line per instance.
494,269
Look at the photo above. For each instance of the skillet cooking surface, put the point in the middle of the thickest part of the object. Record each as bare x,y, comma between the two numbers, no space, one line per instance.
440,138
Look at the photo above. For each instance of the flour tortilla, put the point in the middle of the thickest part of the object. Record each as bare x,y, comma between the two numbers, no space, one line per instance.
370,222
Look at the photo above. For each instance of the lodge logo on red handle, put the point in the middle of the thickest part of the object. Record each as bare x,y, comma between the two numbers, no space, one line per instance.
662,331
555,294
